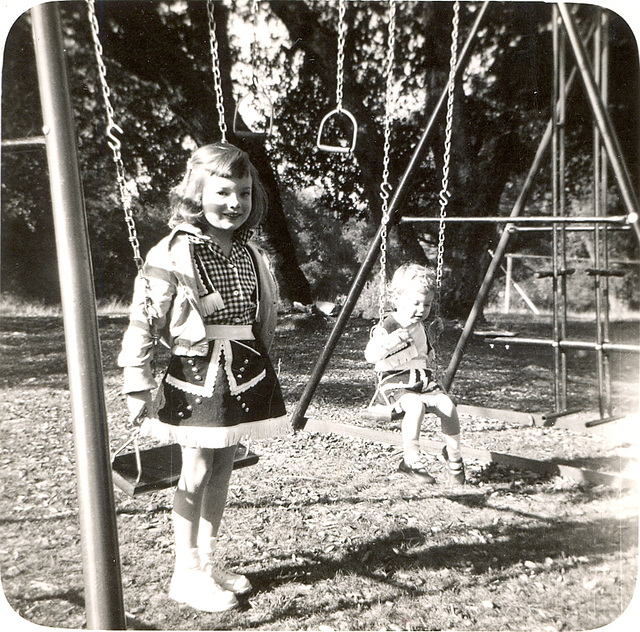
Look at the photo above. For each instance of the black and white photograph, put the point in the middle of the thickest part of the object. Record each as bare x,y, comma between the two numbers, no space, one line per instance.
319,315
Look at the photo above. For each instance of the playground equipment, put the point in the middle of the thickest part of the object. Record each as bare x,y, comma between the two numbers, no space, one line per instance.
339,114
96,506
606,136
386,411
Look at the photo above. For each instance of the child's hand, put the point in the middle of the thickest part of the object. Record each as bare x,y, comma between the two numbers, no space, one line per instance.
138,404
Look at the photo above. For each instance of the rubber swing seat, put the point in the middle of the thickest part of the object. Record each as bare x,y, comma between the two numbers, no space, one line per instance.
160,468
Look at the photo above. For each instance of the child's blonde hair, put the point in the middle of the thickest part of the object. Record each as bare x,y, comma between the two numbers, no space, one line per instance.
411,275
218,159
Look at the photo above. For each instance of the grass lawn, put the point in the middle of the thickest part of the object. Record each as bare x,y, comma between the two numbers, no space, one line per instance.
330,535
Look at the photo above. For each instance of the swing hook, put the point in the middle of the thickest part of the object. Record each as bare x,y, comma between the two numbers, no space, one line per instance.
113,140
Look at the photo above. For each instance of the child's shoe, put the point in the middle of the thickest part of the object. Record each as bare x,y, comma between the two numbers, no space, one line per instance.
228,580
416,470
456,469
197,589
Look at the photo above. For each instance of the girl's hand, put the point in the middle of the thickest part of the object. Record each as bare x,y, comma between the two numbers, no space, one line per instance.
138,403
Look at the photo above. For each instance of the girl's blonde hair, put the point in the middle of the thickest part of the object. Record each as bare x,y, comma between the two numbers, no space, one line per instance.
217,159
411,275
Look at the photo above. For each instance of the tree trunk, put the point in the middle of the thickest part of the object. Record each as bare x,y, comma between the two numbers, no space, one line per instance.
148,48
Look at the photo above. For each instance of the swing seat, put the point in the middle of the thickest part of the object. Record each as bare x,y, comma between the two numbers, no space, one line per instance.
159,467
382,412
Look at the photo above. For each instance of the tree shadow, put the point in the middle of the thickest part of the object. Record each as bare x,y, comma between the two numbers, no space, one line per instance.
380,559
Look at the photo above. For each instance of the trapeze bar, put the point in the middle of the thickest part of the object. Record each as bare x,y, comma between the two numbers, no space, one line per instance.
24,142
566,344
554,219
349,142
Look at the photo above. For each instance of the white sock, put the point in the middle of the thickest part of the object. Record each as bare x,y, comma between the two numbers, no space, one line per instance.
453,447
187,559
411,451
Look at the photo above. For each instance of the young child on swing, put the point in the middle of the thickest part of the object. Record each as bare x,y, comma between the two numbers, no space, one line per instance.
403,353
213,300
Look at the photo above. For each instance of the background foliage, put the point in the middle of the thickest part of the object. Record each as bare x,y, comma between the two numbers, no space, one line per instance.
325,207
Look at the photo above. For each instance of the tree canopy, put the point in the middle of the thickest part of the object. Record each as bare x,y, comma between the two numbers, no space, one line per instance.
324,208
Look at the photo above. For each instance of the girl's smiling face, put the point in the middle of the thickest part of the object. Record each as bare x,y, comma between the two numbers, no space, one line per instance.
226,202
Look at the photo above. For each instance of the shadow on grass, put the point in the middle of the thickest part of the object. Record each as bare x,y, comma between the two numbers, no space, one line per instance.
380,559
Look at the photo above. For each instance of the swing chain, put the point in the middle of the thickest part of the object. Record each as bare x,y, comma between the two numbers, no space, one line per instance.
444,193
254,42
385,187
342,28
217,79
116,145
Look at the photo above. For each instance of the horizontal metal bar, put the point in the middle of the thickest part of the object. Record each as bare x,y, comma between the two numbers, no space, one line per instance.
565,344
554,219
586,227
24,142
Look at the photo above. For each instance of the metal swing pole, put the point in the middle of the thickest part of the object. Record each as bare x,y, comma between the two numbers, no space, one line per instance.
98,529
603,121
501,248
298,419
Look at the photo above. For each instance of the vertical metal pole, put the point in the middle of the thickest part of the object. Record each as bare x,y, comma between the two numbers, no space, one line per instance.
597,211
98,529
297,419
555,171
507,286
609,137
604,174
562,98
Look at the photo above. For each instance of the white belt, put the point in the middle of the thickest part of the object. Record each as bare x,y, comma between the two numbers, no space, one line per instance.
229,332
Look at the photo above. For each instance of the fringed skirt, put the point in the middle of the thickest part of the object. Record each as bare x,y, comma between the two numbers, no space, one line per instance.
215,401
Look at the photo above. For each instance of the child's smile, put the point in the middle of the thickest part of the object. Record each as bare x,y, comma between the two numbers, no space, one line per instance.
226,202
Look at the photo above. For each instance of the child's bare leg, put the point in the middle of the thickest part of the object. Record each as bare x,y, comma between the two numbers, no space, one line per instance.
443,406
215,498
196,470
414,410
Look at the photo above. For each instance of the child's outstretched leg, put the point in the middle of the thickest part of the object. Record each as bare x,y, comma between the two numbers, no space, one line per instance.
190,584
444,407
413,462
213,504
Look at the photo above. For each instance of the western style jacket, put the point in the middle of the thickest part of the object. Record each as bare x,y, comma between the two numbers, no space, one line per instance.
173,290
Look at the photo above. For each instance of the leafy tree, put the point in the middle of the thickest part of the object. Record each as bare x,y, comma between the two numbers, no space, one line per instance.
158,62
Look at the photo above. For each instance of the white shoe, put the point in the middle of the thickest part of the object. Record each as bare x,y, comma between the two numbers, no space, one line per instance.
234,582
197,589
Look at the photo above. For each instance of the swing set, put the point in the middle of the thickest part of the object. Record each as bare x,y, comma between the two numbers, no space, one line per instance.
600,223
155,468
103,587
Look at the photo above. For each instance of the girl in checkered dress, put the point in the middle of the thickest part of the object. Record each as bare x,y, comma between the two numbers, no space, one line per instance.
213,300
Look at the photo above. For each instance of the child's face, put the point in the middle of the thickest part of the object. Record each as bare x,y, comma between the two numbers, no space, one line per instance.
413,305
226,202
